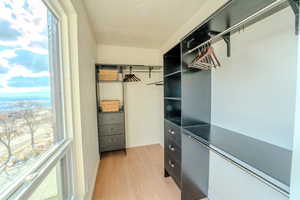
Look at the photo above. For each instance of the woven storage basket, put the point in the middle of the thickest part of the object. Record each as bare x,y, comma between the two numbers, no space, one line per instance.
108,75
110,105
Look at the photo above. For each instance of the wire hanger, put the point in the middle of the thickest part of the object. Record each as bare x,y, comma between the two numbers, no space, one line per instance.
131,77
206,58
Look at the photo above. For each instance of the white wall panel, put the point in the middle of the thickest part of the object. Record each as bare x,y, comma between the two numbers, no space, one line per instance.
228,182
254,91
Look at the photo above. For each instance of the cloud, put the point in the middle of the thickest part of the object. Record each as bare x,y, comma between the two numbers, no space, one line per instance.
3,70
7,33
33,61
23,91
20,81
39,44
27,17
24,48
8,53
19,71
4,63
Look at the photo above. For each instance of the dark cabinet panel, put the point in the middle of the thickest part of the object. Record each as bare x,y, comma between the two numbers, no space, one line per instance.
172,60
112,129
111,118
173,149
172,132
173,86
112,148
172,113
112,140
196,97
173,168
195,169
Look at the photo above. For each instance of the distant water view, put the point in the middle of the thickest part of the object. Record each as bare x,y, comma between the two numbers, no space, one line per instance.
27,118
8,103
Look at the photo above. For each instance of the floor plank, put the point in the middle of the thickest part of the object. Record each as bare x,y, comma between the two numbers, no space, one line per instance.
139,175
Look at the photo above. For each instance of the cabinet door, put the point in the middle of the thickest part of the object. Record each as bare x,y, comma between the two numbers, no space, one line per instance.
195,168
111,118
112,129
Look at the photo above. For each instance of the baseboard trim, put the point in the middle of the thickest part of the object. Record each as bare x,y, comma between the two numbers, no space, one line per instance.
89,195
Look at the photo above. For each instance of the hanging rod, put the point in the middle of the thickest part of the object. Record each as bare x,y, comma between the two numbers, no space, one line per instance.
238,25
142,70
156,83
130,65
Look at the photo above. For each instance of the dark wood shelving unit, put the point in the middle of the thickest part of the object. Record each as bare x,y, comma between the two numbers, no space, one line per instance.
111,125
172,110
198,135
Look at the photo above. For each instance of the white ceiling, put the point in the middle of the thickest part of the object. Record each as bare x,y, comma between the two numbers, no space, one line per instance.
139,23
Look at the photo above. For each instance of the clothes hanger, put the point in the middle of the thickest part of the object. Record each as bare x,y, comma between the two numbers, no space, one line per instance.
202,60
131,77
206,58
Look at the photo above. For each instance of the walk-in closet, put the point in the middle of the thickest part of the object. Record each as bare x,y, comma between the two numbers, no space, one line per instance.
149,100
229,95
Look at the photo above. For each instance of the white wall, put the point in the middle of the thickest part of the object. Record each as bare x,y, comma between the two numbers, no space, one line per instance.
295,181
144,111
228,182
88,122
205,10
254,90
143,103
108,54
254,93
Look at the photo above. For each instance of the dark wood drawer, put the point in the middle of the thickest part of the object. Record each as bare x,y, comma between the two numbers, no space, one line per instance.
172,131
113,140
173,150
112,129
112,148
111,118
173,168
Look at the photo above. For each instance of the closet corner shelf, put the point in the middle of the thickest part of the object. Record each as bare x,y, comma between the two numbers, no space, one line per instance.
175,120
172,74
269,163
173,98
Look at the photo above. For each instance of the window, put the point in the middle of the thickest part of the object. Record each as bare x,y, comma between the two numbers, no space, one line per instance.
48,189
33,143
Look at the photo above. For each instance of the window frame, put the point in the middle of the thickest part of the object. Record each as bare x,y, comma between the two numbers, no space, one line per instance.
62,150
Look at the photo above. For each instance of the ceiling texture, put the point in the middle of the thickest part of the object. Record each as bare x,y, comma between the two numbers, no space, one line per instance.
139,23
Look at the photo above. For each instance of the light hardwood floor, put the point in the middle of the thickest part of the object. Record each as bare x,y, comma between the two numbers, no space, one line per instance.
139,175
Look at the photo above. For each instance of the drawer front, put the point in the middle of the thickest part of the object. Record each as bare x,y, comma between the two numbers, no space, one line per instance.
111,129
111,118
114,140
173,150
172,132
112,148
174,169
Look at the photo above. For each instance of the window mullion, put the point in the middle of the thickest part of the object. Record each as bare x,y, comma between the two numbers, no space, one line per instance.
56,152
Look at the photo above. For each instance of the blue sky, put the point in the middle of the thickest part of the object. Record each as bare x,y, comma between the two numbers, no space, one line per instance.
24,64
